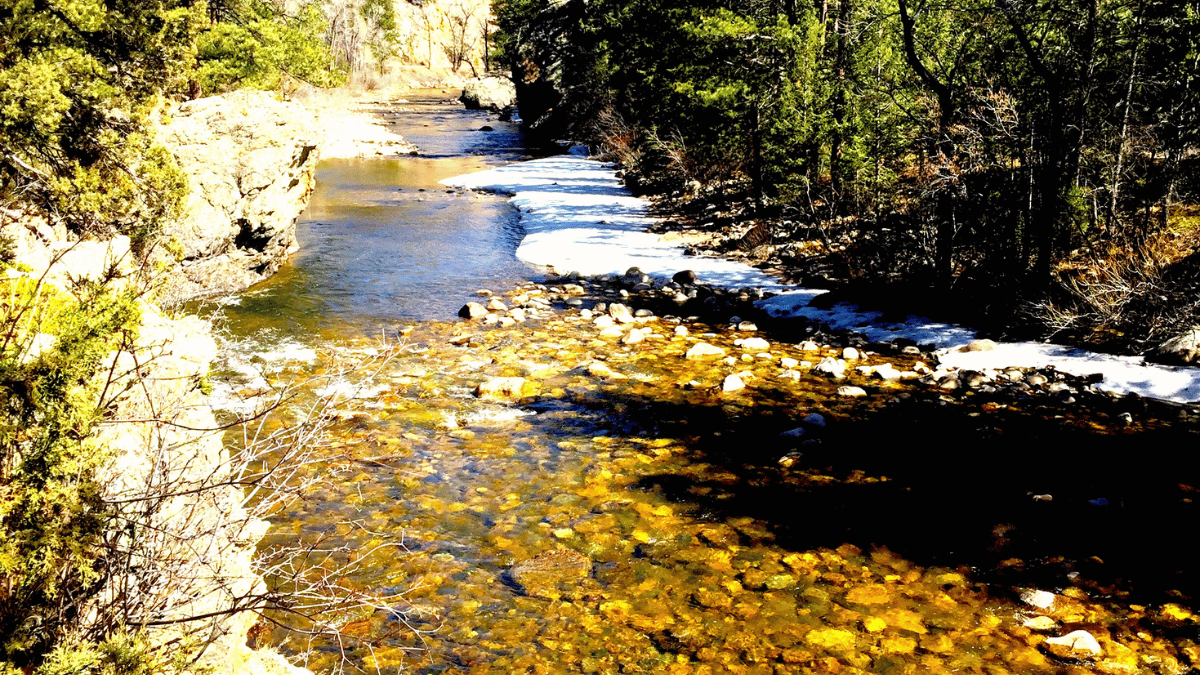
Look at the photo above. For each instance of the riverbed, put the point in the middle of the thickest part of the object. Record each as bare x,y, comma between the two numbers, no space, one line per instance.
618,506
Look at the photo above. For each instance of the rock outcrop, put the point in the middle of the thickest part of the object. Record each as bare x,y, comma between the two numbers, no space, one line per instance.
493,93
250,160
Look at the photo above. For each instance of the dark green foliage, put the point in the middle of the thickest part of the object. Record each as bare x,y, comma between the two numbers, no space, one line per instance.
1003,135
76,81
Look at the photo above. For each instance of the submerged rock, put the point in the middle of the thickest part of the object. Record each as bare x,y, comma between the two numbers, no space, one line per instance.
502,388
542,574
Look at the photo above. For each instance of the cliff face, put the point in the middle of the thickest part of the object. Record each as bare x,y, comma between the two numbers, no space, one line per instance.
251,161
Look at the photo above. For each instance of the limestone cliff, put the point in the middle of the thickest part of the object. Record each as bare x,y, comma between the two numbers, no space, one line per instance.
251,161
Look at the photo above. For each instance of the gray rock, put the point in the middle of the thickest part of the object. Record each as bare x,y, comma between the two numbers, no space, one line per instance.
1181,349
815,420
684,278
755,344
489,93
886,372
1075,643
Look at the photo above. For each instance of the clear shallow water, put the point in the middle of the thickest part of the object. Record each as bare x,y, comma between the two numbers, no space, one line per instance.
701,552
382,243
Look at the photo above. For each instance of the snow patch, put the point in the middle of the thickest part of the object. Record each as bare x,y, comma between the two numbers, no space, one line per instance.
578,217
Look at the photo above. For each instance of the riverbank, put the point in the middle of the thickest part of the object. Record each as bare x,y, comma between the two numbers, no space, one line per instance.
579,217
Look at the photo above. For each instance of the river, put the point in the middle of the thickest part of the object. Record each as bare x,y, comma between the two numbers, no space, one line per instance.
624,513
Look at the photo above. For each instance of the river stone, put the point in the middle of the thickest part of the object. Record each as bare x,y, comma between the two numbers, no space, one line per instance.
815,420
634,276
980,346
1039,623
732,383
831,367
809,346
613,333
620,313
755,344
1037,598
542,574
1075,643
633,337
603,321
886,372
489,93
1181,349
1035,379
850,354
501,388
643,314
681,331
472,310
702,350
517,314
497,305
788,362
747,326
851,392
684,278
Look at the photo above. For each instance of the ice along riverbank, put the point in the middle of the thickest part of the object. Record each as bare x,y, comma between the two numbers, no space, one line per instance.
578,217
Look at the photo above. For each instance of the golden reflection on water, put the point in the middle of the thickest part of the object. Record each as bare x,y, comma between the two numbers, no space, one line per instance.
707,556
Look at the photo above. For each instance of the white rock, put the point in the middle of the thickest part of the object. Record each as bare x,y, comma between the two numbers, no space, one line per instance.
787,362
1078,641
1036,598
633,337
850,354
831,367
732,383
603,321
852,392
681,331
613,333
702,350
620,313
755,344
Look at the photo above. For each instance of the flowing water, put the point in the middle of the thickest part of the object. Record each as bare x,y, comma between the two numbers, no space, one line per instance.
621,513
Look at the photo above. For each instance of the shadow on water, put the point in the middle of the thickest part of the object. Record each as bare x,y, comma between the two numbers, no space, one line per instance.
1112,504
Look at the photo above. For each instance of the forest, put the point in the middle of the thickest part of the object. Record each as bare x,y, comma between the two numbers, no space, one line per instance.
1034,157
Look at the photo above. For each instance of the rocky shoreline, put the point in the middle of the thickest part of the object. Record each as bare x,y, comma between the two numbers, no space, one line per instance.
632,308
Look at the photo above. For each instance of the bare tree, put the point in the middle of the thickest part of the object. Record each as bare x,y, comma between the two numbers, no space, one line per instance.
461,43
